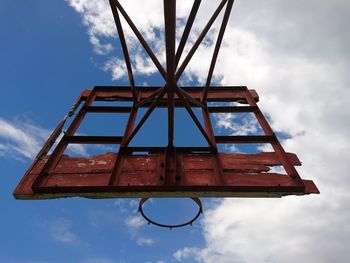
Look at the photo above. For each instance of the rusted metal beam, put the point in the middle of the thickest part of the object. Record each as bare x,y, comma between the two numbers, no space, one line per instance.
290,169
170,32
187,30
141,39
217,47
124,47
62,145
149,99
92,139
127,132
237,109
194,118
246,139
215,94
199,40
145,117
54,136
106,109
191,99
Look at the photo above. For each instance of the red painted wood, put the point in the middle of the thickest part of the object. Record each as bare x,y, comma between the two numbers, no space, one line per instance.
242,173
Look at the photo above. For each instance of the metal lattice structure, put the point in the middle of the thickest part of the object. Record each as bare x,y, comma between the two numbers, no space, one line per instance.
167,171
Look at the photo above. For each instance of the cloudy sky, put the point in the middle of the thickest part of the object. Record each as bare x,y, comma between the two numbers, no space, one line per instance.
294,53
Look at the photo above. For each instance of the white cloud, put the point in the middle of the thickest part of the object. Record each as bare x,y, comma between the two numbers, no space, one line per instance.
117,68
98,18
126,205
61,230
23,139
134,222
187,252
141,241
20,139
237,124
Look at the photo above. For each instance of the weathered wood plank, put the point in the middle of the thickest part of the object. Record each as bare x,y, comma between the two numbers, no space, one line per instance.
245,175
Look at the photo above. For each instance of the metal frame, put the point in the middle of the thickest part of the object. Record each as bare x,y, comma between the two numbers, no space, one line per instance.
36,183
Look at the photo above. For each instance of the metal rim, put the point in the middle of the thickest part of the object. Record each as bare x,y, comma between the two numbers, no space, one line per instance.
150,221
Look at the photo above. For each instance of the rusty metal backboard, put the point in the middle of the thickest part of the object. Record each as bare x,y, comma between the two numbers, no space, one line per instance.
169,171
161,171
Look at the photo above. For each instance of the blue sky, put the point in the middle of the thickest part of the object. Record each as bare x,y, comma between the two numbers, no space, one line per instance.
51,50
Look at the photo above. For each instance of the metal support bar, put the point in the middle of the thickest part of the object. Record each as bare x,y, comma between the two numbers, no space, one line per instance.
217,47
194,118
148,99
62,145
141,39
287,165
92,139
124,47
238,109
107,109
246,139
145,117
199,41
220,178
162,149
191,99
187,30
127,132
170,32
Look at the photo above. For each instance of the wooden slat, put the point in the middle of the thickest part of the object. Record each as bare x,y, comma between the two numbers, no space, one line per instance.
245,176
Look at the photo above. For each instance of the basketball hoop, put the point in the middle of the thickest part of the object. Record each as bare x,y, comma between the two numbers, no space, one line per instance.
140,170
189,222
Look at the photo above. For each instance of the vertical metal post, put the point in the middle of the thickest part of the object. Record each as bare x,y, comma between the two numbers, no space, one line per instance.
128,130
170,32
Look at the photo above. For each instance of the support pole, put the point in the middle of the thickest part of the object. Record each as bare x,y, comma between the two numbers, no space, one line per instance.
170,32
